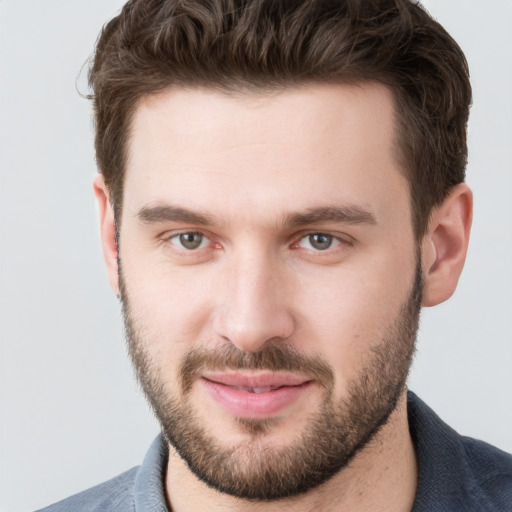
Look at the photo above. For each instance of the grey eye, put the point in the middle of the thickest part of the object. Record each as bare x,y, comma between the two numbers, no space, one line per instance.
320,241
191,241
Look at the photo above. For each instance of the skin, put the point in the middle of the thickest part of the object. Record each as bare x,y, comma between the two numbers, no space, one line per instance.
249,161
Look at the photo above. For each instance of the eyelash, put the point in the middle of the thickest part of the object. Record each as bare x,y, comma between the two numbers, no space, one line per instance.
334,241
185,250
338,240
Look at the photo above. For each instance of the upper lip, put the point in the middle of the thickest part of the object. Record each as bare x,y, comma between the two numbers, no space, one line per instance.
256,380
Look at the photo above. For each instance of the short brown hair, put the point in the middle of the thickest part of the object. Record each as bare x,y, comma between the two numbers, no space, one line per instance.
266,44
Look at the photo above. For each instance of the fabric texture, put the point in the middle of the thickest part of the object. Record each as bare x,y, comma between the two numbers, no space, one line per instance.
456,474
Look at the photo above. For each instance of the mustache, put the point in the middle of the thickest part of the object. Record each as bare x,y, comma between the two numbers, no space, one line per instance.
275,358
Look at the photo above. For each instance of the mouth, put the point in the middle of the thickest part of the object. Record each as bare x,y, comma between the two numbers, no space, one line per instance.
260,395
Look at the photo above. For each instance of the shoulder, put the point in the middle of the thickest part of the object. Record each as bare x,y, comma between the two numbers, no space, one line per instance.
492,471
140,488
456,472
113,495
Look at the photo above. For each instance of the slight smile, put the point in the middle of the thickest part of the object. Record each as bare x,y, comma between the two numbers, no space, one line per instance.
255,396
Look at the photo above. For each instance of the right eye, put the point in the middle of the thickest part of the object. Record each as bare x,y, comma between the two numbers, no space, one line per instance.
189,241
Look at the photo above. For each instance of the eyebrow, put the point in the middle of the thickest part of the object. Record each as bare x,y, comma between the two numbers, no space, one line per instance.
350,214
167,213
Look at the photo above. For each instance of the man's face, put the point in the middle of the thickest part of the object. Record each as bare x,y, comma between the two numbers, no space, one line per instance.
270,279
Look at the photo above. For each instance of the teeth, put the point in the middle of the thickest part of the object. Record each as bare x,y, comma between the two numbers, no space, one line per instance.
256,390
261,390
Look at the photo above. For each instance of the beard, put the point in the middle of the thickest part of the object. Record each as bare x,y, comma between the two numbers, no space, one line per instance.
334,433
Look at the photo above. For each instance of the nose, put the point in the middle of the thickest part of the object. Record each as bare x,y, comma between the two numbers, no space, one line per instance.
253,306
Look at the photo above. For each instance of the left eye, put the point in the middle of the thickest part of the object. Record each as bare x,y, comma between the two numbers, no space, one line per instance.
319,241
189,241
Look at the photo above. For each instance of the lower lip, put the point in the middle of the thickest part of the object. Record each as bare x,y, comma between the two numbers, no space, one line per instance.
244,404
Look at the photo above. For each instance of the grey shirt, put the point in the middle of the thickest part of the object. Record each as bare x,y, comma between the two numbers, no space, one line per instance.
455,474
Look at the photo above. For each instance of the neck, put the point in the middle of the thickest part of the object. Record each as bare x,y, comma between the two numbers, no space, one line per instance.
382,476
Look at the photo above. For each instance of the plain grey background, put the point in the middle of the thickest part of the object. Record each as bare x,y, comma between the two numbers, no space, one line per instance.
71,415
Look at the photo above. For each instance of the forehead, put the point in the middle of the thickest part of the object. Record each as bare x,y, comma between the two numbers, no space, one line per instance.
262,152
227,119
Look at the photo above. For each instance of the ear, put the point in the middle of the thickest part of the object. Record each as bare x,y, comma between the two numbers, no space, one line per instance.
445,245
107,231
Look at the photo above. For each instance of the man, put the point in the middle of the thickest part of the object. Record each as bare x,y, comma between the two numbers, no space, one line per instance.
281,190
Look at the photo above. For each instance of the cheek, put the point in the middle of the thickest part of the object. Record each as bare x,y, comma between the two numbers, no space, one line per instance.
170,306
347,314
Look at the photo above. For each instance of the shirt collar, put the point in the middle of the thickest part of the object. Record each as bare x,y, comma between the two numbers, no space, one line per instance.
445,480
149,487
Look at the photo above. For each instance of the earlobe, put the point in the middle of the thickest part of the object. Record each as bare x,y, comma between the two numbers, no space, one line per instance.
445,245
107,231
